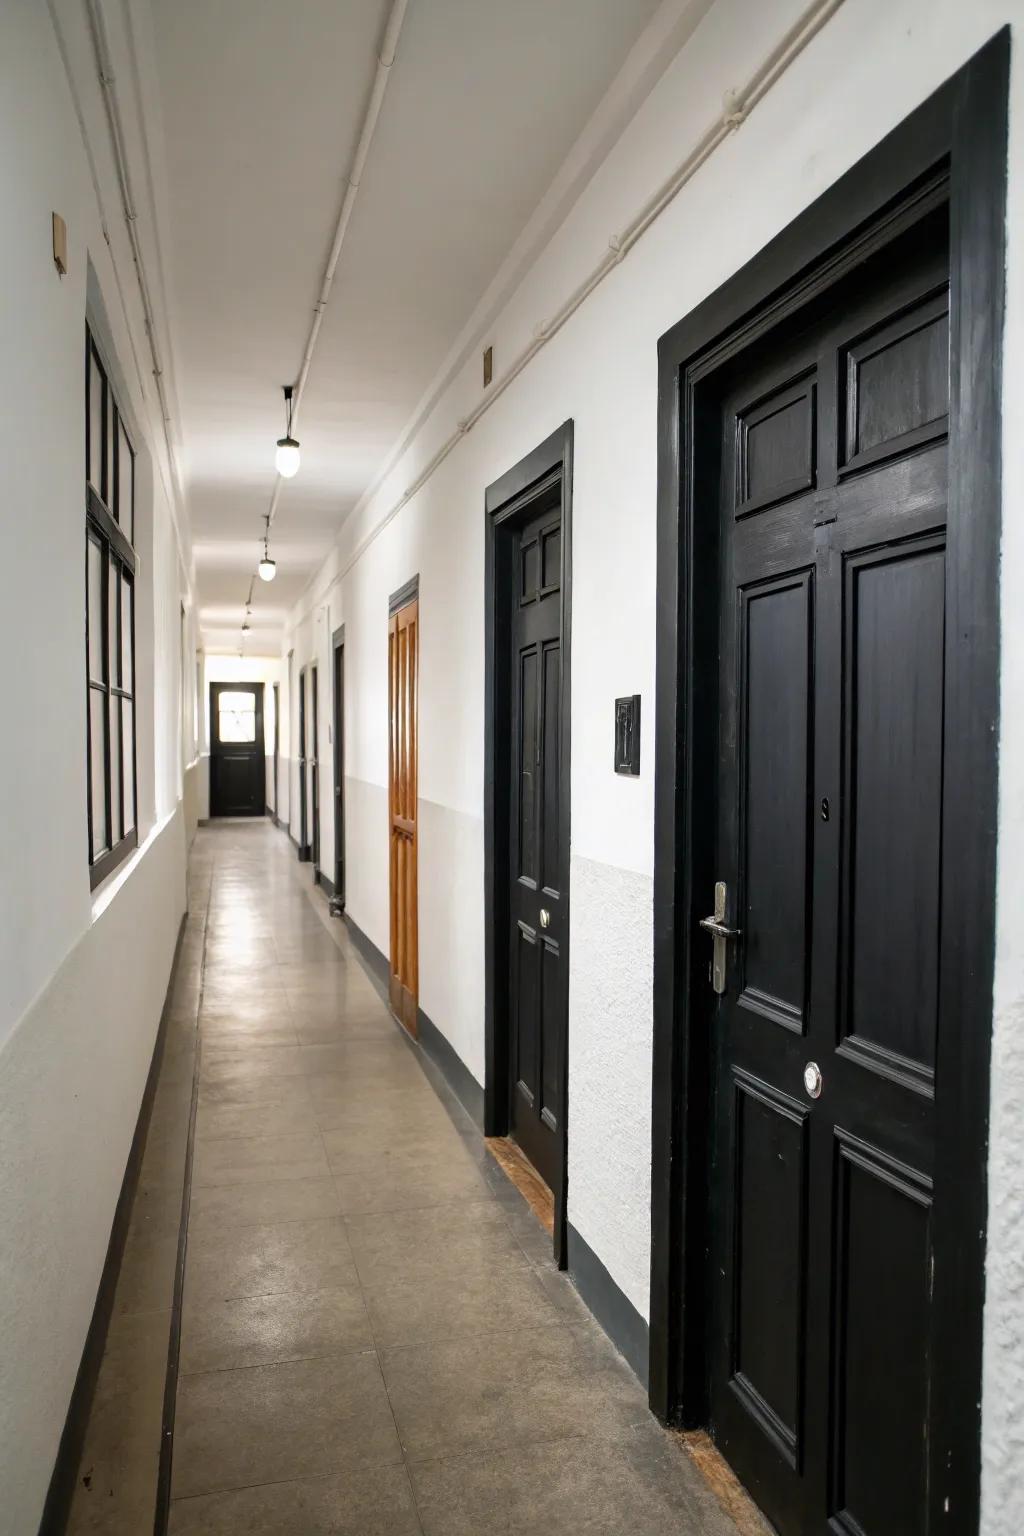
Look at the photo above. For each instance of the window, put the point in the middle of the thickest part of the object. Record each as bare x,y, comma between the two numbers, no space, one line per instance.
236,717
109,623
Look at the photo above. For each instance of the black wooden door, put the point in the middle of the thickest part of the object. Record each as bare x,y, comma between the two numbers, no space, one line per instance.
277,750
832,509
537,984
339,774
303,835
237,761
314,774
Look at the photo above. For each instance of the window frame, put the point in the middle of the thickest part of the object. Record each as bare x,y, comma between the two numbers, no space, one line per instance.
118,560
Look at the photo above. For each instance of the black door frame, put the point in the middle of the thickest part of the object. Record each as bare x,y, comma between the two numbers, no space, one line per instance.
277,751
303,843
961,130
508,502
217,688
338,712
313,766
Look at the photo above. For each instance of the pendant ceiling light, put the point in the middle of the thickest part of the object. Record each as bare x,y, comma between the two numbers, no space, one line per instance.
287,455
267,568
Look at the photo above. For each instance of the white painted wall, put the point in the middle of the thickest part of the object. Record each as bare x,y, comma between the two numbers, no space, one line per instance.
874,62
83,976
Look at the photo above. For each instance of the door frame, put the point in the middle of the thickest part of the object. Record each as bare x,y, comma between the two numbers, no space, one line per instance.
405,595
313,766
963,127
338,715
303,844
216,688
277,751
507,503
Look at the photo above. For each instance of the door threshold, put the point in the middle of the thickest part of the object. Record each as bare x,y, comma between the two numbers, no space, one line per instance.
733,1499
518,1169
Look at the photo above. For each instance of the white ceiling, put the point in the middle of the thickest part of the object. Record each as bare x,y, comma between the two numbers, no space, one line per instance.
262,103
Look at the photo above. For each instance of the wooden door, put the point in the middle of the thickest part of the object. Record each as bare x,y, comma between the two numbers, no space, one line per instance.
339,773
237,761
314,773
536,982
830,679
403,683
303,835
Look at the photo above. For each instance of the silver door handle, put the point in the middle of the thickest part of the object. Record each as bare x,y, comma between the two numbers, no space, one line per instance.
719,930
545,917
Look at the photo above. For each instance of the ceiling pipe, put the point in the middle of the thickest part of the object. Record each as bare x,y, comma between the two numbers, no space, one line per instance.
105,69
385,59
736,108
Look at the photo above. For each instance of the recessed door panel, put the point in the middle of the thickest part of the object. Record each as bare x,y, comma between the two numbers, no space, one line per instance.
770,1200
775,708
895,643
881,1407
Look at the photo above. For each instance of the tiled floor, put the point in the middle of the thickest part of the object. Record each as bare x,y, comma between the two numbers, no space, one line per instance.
374,1338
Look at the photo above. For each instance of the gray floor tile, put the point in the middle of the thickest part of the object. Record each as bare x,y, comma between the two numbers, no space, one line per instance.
468,1231
262,1204
146,1280
249,1159
221,1121
270,1423
292,1256
456,1298
259,1330
226,1066
642,1484
408,1184
255,1090
524,1387
375,1502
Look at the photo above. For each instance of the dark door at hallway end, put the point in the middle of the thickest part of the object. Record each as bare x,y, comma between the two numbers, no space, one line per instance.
237,761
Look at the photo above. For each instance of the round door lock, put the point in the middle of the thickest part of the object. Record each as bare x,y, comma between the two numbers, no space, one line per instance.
812,1080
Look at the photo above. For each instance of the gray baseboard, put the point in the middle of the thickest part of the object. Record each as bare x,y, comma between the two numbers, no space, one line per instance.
613,1310
431,1041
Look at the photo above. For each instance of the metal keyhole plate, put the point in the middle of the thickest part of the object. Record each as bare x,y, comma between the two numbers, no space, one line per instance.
812,1080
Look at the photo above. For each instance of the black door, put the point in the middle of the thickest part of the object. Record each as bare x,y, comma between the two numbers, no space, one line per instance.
237,762
303,836
537,983
832,509
314,776
277,749
339,773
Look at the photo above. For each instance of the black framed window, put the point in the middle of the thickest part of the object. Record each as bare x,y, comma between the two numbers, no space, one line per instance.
109,623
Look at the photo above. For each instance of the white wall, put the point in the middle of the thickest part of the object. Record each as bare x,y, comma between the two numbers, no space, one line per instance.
875,61
83,975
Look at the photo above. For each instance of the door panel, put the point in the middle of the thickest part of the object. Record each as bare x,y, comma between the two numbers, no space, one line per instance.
313,756
831,652
537,991
339,775
403,655
303,820
237,761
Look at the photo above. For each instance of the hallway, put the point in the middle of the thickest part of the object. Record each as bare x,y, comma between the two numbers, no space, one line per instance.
373,1336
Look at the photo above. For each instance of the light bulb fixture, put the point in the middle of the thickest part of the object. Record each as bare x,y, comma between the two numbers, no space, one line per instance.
287,455
267,568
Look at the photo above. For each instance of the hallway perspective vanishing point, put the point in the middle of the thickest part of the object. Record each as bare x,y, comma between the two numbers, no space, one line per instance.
374,1338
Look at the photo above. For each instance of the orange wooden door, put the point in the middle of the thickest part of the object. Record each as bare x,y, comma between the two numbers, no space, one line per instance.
403,656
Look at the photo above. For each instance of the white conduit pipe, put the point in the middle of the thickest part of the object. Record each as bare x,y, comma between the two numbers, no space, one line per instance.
101,48
385,59
738,106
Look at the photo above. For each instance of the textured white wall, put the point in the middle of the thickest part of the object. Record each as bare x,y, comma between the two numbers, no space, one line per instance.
82,979
873,63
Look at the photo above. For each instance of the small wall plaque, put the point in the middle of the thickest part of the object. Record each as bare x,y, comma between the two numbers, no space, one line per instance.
627,735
